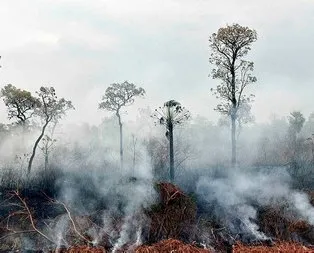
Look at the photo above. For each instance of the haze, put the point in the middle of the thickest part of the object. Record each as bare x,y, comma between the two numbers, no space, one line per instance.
80,47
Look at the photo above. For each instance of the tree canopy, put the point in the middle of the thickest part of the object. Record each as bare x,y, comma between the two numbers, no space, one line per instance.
118,95
228,47
21,105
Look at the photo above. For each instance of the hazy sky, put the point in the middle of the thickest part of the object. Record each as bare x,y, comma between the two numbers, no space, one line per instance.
81,46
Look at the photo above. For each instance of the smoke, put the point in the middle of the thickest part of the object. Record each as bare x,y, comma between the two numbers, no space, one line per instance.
62,223
234,198
303,206
92,184
119,196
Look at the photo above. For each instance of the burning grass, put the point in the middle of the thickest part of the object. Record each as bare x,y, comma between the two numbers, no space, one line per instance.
175,217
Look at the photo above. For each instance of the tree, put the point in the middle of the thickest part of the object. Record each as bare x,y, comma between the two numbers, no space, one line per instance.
171,114
47,144
296,122
228,47
118,95
21,105
51,109
244,116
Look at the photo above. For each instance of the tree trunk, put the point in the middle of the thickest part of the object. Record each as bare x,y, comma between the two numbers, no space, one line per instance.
121,140
134,153
233,114
312,146
35,147
46,160
171,154
233,141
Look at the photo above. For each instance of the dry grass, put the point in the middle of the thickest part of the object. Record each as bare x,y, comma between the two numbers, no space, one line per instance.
170,245
282,247
283,226
173,217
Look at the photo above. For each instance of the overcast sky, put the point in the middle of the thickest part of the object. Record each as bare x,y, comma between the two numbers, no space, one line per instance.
81,46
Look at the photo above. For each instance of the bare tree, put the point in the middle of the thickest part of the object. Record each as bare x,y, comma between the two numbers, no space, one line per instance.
118,95
228,47
171,114
51,110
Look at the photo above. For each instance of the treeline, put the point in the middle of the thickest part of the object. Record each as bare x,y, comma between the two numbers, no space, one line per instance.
285,142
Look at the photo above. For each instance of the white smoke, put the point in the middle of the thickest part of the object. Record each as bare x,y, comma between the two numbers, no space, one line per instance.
236,196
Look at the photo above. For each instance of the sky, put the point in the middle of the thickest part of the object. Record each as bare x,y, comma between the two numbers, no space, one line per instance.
80,47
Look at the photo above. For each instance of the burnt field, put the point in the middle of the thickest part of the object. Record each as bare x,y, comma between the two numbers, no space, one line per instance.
91,161
71,214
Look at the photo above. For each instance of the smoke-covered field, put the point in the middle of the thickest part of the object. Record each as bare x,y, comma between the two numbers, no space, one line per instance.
156,126
84,197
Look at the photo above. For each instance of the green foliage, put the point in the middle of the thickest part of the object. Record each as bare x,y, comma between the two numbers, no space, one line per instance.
51,108
21,105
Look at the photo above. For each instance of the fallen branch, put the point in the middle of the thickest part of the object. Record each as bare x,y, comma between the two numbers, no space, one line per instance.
29,214
17,232
70,218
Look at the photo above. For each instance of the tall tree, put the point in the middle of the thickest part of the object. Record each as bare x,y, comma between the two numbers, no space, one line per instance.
229,46
21,105
51,109
118,95
171,114
244,116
